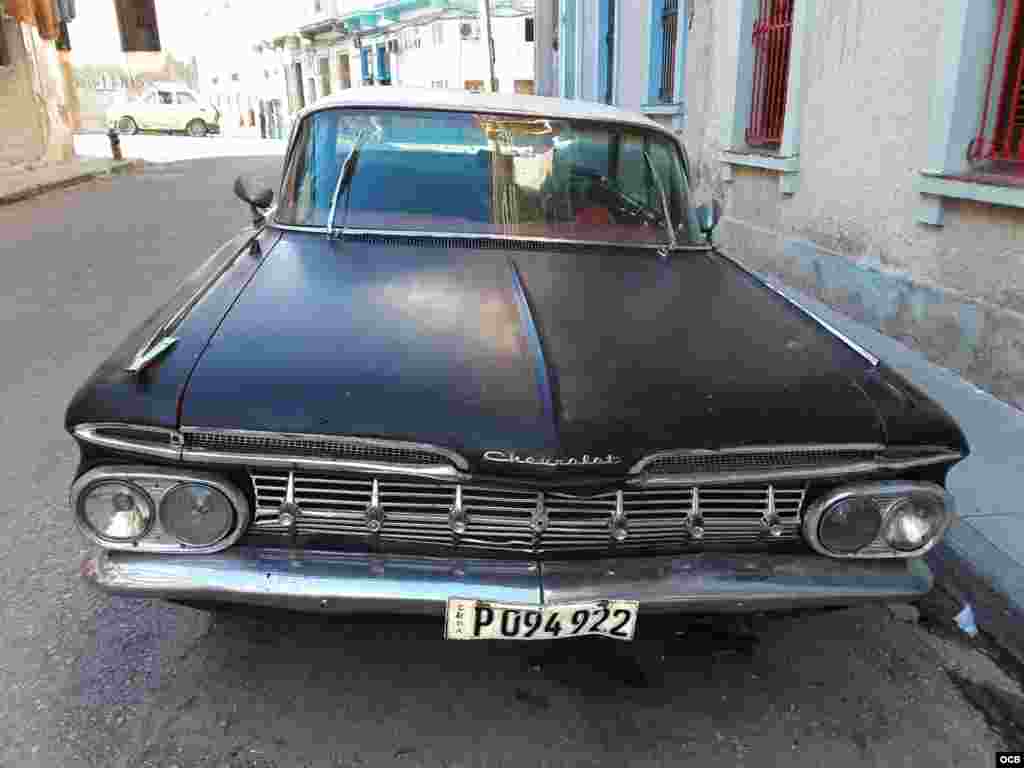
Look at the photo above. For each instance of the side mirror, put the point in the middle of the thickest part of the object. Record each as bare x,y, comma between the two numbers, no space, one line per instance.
708,216
258,199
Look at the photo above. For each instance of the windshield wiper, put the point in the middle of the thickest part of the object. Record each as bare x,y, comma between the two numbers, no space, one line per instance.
347,172
664,201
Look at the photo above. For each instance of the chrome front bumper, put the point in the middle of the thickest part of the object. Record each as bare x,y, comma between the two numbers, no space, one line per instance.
330,582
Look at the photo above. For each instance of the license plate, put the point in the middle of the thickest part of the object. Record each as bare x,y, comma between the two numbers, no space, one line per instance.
480,620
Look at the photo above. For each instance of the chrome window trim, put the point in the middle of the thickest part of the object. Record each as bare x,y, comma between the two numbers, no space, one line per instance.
92,433
486,236
898,490
167,479
442,453
864,353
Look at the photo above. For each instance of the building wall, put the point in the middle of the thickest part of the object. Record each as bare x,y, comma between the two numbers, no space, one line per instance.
34,123
849,232
452,63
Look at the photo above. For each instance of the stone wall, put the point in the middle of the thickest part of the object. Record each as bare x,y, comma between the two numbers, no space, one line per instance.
34,120
848,234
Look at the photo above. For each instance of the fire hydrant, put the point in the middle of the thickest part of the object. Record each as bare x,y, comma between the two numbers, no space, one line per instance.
115,144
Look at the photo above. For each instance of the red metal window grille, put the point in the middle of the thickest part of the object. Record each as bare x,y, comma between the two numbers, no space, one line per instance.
669,25
772,33
1000,139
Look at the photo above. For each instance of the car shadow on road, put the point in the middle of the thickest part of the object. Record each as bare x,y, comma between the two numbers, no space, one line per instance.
291,689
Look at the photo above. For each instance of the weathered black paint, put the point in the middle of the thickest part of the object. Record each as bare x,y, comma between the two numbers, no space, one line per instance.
407,341
151,397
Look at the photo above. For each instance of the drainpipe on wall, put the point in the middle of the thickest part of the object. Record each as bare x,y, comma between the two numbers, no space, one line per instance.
485,14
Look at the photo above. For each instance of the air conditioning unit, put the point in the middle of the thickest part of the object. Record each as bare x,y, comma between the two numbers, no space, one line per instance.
469,30
393,46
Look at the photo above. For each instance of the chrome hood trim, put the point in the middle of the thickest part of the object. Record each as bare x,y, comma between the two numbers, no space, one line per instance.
187,445
202,442
779,462
146,441
731,465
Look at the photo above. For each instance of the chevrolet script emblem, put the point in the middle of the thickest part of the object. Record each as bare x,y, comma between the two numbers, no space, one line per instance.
586,460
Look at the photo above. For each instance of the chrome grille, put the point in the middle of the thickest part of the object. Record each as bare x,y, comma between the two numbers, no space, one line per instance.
518,519
319,446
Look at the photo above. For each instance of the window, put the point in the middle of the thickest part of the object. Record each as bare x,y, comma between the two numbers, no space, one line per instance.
137,23
185,98
364,64
606,51
235,77
383,72
488,173
529,29
300,98
165,97
567,52
5,53
437,34
667,71
323,69
763,128
999,145
772,33
344,73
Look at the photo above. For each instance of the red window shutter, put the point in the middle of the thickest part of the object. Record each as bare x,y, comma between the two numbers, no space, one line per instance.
1000,139
772,34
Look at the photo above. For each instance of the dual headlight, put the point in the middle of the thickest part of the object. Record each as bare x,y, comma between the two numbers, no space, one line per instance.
158,510
879,520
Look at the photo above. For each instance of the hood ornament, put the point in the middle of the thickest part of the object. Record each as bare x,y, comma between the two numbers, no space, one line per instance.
586,460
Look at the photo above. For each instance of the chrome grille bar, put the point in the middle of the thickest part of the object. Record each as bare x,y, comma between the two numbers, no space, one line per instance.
525,520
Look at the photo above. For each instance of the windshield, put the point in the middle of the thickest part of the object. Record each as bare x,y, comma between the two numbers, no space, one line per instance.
487,174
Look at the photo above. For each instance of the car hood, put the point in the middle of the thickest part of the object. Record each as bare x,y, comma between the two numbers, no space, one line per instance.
553,353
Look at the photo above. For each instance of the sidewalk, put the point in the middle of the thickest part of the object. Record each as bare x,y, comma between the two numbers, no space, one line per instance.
21,182
981,559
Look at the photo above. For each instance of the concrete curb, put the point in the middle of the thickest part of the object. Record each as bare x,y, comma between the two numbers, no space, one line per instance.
981,559
110,168
971,570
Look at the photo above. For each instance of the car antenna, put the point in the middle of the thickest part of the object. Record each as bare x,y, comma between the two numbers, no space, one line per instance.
664,202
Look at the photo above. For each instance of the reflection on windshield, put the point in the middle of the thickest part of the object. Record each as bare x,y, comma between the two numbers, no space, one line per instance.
488,174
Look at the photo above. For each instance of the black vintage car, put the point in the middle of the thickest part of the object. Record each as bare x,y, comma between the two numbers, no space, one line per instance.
481,361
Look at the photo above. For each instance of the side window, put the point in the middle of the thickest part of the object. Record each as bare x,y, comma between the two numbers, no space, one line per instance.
186,98
165,97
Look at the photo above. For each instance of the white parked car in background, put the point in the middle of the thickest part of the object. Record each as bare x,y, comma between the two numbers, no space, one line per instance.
165,107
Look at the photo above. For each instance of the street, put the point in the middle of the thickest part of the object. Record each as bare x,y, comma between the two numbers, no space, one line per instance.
95,681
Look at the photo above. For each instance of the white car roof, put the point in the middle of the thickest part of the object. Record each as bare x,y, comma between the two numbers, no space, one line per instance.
386,96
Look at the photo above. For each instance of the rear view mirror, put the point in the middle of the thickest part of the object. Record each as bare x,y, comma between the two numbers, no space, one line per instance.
259,199
708,216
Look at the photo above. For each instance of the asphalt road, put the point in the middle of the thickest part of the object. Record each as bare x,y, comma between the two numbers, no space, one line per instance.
92,681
